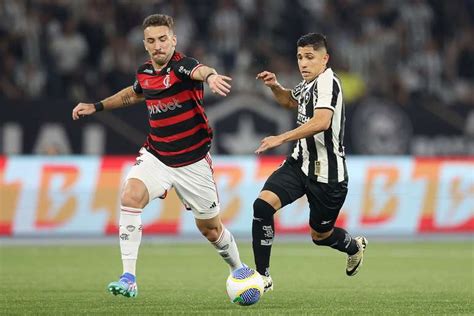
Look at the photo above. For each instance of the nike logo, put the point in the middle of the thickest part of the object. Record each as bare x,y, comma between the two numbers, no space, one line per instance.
325,222
258,219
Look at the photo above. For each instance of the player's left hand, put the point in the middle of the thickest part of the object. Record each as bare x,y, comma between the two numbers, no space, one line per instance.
268,143
219,84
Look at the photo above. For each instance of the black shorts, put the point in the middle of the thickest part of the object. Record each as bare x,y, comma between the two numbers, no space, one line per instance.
289,183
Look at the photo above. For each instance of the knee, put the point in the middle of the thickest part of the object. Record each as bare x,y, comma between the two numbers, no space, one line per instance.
262,209
133,198
211,233
319,237
134,194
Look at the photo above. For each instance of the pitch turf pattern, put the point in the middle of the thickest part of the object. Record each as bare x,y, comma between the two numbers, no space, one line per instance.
396,278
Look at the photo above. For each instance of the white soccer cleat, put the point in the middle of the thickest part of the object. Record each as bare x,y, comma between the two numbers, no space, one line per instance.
267,283
355,261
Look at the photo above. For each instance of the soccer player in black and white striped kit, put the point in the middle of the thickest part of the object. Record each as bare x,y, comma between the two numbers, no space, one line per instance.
316,167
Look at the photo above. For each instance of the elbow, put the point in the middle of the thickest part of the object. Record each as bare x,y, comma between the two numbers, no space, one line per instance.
322,127
326,125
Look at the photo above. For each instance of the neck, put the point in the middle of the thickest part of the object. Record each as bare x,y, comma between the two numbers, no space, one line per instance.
324,69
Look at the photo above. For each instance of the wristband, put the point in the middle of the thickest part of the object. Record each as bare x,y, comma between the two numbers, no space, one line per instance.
207,77
99,106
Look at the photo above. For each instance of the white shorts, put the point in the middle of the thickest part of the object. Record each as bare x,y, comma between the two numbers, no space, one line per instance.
194,183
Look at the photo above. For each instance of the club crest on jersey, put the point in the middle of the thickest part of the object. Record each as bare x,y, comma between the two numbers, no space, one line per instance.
306,97
166,81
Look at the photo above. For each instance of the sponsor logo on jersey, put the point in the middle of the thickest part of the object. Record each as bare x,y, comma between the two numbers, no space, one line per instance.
302,119
161,107
184,71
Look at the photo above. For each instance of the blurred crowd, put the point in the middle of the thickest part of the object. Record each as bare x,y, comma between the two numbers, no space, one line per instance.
88,49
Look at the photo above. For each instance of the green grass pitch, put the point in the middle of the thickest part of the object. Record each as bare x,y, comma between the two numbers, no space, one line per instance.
407,278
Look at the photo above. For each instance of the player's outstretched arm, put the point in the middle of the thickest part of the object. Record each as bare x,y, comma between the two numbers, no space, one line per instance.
321,121
125,97
219,84
282,95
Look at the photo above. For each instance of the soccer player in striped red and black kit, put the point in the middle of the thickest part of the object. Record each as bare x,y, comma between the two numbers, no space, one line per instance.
176,152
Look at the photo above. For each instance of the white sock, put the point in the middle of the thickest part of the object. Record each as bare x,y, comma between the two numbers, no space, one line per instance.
227,248
130,234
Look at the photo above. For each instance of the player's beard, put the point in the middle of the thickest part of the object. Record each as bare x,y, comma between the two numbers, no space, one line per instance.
160,59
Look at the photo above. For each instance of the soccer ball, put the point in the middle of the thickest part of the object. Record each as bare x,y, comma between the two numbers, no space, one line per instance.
245,286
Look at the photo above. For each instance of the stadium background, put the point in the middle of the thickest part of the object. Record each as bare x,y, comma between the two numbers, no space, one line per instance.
407,73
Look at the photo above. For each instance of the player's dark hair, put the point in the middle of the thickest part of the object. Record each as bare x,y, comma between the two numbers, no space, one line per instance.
158,20
316,40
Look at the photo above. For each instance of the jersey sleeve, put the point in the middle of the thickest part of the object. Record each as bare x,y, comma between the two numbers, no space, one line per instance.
325,93
185,67
137,87
296,91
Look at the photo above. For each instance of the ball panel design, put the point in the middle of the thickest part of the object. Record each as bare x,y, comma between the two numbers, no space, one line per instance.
245,286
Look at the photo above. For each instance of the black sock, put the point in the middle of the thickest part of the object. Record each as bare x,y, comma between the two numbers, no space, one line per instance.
340,240
263,229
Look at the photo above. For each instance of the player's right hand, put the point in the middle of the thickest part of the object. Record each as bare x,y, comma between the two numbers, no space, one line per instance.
82,109
269,78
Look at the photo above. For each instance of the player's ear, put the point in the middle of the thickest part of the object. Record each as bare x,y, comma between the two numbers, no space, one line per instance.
175,40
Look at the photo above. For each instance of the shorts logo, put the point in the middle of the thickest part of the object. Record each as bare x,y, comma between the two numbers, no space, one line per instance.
213,205
139,161
130,228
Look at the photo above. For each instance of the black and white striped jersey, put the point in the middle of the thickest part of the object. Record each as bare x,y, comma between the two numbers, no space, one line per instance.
321,156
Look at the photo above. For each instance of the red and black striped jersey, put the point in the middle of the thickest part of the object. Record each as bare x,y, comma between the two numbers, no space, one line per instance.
179,130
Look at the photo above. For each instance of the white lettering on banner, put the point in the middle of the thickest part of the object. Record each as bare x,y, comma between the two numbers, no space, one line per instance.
12,139
442,145
52,138
469,127
93,139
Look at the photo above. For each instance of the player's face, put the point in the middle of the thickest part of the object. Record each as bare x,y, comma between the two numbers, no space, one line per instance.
160,43
311,62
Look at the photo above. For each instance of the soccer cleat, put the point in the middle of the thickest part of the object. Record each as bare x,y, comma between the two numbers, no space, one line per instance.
355,261
267,283
126,286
